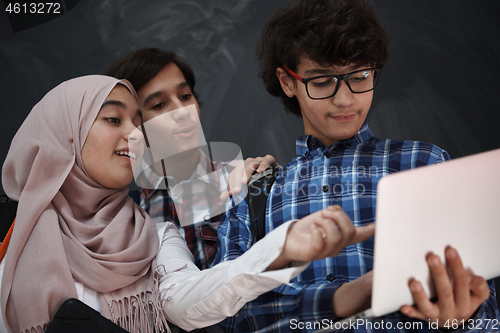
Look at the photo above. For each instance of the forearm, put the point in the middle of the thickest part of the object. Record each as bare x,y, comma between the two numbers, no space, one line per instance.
195,299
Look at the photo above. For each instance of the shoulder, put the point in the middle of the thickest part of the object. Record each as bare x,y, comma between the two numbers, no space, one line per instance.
418,152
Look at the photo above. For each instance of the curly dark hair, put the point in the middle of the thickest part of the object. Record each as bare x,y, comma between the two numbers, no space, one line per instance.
328,32
144,64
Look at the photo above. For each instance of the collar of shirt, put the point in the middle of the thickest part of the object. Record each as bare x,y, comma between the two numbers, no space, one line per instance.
305,144
149,176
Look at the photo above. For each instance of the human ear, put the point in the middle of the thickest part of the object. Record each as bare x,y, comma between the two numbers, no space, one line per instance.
286,82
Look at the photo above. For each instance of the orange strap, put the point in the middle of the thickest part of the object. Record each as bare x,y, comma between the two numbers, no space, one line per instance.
6,241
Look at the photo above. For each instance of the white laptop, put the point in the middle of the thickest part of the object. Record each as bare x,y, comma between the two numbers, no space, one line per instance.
424,210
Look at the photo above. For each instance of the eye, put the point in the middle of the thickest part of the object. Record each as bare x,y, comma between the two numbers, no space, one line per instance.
158,106
323,82
113,120
358,77
186,97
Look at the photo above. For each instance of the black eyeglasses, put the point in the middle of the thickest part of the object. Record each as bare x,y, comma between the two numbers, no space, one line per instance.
325,86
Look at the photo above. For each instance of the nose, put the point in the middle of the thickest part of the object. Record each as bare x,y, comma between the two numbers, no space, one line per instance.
180,114
132,134
344,96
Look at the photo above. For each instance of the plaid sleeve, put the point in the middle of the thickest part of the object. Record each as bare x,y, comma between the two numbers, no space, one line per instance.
315,303
234,236
278,312
439,155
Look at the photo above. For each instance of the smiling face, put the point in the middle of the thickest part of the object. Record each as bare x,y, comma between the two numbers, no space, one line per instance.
332,119
106,155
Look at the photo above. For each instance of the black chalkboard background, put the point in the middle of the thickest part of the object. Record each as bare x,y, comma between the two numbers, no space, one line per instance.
441,83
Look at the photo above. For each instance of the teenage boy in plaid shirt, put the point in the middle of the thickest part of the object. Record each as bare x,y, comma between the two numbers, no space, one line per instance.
323,59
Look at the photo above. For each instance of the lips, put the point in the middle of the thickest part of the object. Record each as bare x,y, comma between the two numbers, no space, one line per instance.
344,118
126,153
186,131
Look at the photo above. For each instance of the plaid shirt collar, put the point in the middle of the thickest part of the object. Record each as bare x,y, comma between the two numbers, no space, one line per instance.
307,143
149,176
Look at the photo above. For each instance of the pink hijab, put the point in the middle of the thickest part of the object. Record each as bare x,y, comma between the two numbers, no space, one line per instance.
70,228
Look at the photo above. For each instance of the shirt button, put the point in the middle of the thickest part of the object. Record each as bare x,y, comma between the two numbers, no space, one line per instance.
325,188
327,154
207,218
330,277
313,143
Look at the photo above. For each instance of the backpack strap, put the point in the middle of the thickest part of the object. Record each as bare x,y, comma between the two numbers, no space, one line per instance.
6,241
259,187
8,209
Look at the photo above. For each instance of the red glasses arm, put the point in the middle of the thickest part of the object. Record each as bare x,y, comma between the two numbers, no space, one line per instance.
298,77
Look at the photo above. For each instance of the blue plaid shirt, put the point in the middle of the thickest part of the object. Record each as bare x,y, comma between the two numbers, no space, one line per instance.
345,173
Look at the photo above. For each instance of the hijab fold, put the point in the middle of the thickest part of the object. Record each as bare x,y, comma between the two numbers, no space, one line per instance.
70,228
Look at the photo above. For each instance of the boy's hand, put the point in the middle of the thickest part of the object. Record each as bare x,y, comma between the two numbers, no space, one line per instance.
320,235
243,171
457,301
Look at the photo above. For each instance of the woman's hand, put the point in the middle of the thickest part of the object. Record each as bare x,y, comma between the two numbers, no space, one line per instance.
320,235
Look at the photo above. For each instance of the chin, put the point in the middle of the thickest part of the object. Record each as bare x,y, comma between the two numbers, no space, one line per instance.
187,150
337,137
348,132
123,181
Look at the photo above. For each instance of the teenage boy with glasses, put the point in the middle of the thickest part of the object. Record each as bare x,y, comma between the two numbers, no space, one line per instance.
323,59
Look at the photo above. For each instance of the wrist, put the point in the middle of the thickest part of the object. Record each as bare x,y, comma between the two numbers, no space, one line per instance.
283,259
285,255
353,297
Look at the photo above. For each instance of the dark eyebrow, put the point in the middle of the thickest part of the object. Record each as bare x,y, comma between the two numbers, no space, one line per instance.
114,103
320,71
151,96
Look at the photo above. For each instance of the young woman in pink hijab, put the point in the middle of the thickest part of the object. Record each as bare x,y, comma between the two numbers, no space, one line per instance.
78,235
